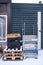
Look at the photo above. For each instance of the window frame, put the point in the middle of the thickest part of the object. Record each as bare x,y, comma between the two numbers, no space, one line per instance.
5,30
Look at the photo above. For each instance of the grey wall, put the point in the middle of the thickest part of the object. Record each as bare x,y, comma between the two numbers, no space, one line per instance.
25,13
5,10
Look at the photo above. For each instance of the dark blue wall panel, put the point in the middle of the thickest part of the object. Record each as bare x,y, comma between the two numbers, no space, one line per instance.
25,13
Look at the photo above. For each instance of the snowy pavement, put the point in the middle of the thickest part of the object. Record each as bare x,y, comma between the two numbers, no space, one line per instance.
28,61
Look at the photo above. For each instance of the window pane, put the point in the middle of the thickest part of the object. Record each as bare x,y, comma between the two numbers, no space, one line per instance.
2,28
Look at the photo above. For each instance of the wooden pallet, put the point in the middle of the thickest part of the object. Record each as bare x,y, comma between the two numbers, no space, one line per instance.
13,57
12,54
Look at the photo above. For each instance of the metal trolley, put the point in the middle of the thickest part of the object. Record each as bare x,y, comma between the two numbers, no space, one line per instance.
30,46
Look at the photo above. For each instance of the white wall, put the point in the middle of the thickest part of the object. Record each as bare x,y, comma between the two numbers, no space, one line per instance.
26,1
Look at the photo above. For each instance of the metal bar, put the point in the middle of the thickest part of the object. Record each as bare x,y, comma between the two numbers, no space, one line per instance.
39,30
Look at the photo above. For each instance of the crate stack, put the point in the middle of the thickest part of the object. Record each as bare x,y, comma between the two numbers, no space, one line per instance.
13,50
13,40
30,46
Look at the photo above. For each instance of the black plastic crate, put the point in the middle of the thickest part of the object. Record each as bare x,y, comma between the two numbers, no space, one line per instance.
13,43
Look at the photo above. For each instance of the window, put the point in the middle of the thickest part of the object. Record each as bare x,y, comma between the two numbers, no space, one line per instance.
3,28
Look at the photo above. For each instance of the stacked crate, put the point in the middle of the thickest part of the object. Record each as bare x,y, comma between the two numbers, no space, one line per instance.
13,50
30,46
13,40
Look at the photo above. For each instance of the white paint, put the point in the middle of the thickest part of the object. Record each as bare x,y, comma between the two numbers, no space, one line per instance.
34,39
29,46
29,38
39,30
26,1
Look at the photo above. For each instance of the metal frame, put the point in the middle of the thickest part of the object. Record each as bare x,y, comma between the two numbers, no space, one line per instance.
6,28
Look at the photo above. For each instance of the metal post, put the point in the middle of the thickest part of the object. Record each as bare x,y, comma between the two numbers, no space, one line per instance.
24,28
39,30
33,29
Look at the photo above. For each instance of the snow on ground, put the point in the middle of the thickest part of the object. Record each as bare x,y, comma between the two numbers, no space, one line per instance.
28,61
